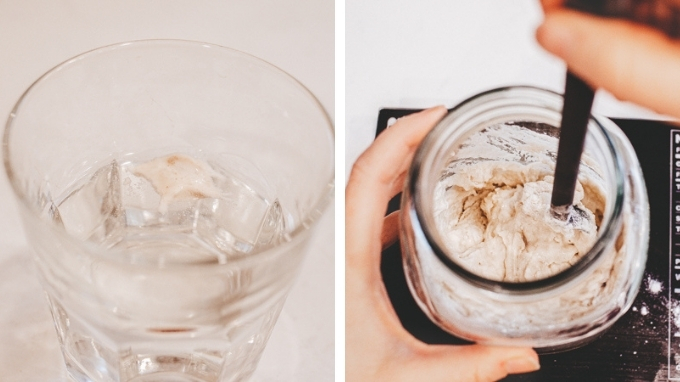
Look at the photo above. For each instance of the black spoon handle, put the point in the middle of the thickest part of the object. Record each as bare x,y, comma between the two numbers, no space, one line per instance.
578,100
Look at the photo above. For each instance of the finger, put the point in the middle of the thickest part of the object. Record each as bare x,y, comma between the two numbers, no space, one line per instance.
388,158
390,231
374,179
634,62
549,5
473,362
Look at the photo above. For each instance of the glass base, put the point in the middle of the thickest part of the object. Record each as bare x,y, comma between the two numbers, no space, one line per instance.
168,377
91,356
146,368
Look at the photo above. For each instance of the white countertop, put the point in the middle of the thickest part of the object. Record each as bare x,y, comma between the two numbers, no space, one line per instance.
35,35
416,54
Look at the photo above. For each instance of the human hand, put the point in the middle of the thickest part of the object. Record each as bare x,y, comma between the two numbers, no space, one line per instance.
634,62
377,347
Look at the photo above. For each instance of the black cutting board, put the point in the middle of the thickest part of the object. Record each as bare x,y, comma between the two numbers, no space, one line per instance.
637,346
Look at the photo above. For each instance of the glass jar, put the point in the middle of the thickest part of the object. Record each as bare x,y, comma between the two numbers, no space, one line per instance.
473,283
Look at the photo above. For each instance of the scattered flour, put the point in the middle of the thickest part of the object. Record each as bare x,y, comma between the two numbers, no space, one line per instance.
654,286
644,311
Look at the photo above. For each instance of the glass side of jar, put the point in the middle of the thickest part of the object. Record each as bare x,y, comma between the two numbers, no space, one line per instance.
547,308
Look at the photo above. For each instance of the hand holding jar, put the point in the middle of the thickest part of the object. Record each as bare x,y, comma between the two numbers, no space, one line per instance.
377,346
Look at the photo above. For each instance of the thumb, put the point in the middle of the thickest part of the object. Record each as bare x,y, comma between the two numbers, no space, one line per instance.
475,362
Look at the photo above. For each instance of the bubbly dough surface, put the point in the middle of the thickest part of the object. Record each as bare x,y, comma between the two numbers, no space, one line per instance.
507,233
494,214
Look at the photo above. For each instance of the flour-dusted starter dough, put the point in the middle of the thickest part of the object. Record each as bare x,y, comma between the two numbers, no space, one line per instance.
504,231
494,215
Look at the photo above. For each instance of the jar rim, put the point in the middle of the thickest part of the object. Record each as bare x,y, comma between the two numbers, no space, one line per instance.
425,151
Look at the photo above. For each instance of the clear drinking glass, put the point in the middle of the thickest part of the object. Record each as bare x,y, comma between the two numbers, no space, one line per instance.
555,304
169,189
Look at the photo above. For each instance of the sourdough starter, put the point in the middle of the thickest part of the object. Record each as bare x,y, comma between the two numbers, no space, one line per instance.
492,207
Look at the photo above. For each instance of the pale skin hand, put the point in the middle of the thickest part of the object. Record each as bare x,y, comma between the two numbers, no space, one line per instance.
377,347
634,62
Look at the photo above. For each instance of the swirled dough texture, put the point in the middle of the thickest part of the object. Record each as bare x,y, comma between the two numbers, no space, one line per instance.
494,214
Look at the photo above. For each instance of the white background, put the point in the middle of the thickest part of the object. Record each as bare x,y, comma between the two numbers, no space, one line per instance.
35,35
417,54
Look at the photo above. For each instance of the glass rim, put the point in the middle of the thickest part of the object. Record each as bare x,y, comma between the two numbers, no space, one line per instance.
317,208
425,152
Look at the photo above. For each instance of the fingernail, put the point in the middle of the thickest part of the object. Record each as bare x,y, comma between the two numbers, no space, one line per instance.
556,37
435,109
440,110
521,365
